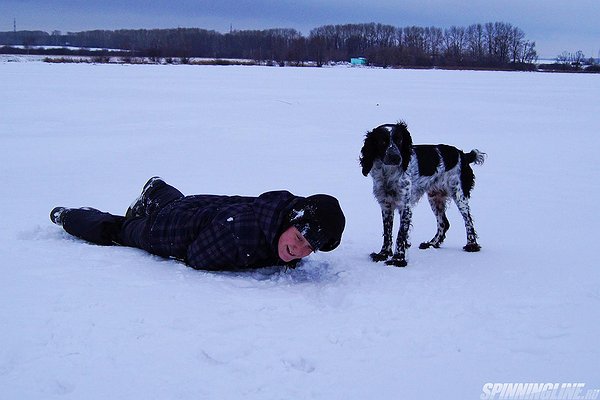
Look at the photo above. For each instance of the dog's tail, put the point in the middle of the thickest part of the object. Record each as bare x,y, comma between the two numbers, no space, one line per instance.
475,156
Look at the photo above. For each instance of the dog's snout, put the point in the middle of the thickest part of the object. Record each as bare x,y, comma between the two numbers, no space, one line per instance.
392,157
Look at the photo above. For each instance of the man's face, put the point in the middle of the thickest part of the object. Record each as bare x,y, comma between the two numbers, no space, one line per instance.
292,245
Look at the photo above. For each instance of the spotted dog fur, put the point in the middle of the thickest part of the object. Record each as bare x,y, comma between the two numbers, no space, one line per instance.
402,173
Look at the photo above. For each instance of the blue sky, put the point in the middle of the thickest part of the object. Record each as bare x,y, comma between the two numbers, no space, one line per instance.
555,25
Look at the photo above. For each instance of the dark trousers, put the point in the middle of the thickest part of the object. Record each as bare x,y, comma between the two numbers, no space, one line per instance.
107,229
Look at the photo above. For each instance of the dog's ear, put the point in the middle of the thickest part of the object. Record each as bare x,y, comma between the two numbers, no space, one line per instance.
406,148
367,154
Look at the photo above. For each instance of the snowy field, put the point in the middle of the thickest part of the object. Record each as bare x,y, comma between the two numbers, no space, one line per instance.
80,321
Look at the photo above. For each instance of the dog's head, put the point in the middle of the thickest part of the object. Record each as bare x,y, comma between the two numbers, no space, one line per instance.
391,143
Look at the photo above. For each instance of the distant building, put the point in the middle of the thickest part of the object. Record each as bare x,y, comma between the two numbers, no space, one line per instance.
358,61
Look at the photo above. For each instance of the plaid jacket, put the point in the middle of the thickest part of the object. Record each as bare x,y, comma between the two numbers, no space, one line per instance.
223,232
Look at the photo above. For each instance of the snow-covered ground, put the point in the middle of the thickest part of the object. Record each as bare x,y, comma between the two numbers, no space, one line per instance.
81,321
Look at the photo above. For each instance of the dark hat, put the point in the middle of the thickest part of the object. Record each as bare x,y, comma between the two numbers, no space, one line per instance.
321,221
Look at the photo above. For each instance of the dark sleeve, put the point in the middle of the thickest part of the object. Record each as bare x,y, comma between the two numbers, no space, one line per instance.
214,249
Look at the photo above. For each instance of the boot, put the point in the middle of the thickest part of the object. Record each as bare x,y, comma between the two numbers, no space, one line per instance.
57,215
139,206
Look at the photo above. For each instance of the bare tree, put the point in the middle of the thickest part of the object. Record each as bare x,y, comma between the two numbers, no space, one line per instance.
454,40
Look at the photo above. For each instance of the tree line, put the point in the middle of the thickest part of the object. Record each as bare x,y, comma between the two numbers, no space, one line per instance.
490,45
496,44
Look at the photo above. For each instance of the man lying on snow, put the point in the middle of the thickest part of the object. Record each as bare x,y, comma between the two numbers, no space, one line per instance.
214,232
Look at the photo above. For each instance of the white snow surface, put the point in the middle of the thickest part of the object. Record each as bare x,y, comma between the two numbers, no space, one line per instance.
80,321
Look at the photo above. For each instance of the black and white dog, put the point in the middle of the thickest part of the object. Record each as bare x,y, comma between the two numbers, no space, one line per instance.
402,173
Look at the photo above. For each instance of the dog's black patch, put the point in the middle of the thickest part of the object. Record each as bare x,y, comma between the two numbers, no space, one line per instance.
449,155
428,158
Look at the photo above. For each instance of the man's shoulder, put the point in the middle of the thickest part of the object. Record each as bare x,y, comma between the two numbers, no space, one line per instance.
277,196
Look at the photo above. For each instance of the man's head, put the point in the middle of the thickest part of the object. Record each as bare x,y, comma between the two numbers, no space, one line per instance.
317,223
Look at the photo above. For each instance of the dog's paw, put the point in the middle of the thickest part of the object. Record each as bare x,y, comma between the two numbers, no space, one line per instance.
472,247
381,256
396,262
426,245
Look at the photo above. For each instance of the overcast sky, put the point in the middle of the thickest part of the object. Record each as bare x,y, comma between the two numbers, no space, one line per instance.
555,25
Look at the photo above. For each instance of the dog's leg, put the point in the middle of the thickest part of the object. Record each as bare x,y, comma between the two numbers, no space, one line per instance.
462,202
399,258
437,201
387,215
